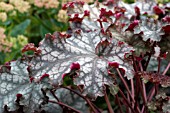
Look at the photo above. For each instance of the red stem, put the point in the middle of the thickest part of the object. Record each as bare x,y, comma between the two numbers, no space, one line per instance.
120,107
128,109
87,100
54,96
151,94
147,62
108,103
167,68
126,86
127,102
62,104
142,91
143,85
92,107
150,54
132,90
159,64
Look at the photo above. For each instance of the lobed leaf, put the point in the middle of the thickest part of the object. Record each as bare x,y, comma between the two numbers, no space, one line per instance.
150,30
16,81
87,49
144,8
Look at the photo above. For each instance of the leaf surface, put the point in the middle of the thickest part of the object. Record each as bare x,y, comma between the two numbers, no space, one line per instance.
91,50
15,80
150,30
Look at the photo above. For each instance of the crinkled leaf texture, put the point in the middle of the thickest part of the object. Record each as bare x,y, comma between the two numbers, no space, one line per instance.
90,22
143,7
153,65
91,50
166,107
16,81
150,30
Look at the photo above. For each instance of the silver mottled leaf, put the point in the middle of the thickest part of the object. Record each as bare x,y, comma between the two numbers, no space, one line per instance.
143,6
153,65
17,81
90,22
151,30
157,51
57,56
166,107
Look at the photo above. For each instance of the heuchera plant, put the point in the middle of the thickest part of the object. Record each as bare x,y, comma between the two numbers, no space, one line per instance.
110,48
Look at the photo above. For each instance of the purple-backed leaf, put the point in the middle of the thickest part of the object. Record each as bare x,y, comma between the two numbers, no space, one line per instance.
16,82
151,30
86,49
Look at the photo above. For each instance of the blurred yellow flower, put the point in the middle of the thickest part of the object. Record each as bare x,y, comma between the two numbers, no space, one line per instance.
22,40
86,1
3,16
20,5
46,3
18,41
31,1
52,4
2,35
6,7
62,16
5,45
38,3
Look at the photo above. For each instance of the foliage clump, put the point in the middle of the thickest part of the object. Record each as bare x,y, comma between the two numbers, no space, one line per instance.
112,51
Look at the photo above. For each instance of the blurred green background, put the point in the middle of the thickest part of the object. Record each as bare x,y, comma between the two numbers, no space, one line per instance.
27,21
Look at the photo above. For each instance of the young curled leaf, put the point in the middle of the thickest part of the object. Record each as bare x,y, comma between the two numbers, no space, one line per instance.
31,47
160,103
157,78
114,89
